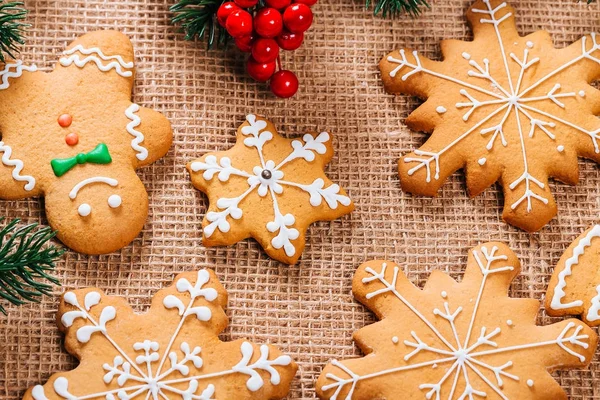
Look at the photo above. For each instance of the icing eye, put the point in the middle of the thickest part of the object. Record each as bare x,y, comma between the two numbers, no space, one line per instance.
65,120
84,210
114,201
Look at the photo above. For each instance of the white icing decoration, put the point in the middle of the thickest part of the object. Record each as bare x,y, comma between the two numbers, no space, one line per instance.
559,291
96,56
91,299
441,109
529,44
142,152
581,93
395,339
514,99
115,201
509,322
594,311
482,161
462,357
84,210
444,294
13,70
155,372
38,393
18,167
269,185
560,148
530,382
89,181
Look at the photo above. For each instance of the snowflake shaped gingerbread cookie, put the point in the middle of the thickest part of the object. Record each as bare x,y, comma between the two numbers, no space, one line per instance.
574,288
455,340
269,188
503,107
171,352
74,136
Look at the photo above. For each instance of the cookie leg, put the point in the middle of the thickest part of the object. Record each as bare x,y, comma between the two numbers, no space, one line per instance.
98,214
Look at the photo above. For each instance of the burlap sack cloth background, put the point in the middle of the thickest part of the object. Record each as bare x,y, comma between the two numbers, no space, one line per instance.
306,309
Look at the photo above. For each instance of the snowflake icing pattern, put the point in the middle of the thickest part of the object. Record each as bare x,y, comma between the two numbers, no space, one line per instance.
272,182
521,112
474,342
167,364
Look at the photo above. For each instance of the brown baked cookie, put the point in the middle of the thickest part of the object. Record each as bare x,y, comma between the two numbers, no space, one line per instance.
74,136
269,188
452,340
171,352
504,108
574,288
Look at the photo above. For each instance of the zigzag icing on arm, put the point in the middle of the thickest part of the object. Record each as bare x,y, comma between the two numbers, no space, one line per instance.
559,291
18,67
96,56
18,167
138,136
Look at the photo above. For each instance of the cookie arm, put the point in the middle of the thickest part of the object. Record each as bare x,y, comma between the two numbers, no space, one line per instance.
150,134
15,183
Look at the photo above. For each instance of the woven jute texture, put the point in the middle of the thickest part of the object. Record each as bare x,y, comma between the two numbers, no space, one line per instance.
307,309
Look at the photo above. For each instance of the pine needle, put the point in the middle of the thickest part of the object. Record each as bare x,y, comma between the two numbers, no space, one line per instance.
393,8
24,261
198,19
11,28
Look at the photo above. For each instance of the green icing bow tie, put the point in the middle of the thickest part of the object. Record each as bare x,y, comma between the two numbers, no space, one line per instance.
99,155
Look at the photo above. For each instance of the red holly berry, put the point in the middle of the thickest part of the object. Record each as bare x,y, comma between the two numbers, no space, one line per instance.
260,71
225,11
309,3
284,84
297,18
268,22
244,43
290,41
278,4
239,23
265,50
246,3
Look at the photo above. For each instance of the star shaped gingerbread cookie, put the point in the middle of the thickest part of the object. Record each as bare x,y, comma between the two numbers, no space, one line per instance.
171,352
74,137
453,340
269,188
504,107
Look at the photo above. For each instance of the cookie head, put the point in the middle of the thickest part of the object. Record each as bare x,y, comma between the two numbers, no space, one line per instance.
504,108
73,132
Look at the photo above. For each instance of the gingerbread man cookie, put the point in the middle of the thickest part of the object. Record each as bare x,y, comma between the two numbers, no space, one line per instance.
455,340
504,108
74,137
269,188
171,352
574,288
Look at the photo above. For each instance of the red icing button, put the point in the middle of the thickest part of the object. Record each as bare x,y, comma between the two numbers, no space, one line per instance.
72,139
65,120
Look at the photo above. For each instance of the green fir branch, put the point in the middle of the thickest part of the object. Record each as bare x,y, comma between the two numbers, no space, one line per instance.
394,8
11,28
198,19
24,261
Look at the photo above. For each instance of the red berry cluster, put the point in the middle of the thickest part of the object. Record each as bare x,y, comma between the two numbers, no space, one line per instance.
280,24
